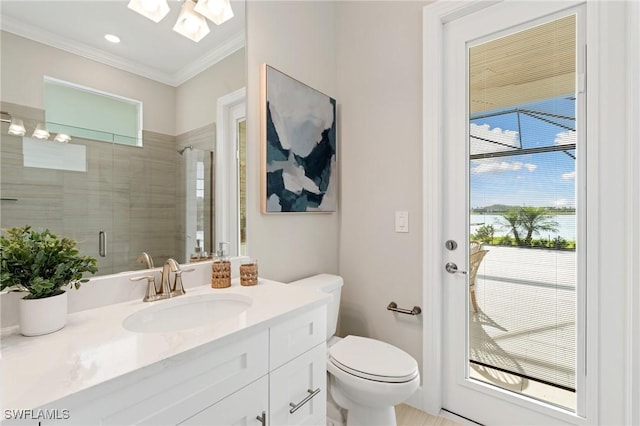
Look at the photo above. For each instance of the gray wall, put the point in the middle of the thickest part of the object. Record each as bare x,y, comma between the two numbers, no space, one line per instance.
380,92
25,62
368,56
298,38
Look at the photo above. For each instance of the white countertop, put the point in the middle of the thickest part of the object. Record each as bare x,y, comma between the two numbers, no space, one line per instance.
94,347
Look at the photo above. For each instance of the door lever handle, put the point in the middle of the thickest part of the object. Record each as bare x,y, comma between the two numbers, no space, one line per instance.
452,268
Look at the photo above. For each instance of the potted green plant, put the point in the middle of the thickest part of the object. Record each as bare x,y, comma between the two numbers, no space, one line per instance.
41,264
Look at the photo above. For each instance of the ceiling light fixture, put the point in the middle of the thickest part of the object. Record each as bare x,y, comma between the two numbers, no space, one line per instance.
16,128
217,11
40,132
62,138
191,24
112,38
152,9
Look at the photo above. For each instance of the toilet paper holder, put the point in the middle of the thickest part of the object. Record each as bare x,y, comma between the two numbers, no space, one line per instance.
394,307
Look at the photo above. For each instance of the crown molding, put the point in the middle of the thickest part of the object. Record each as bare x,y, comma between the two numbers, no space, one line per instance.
219,53
190,70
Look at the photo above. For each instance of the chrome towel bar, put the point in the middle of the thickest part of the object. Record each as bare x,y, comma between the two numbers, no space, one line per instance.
394,307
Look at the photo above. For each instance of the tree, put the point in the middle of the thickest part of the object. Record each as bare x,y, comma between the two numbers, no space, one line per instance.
511,221
528,221
534,220
485,234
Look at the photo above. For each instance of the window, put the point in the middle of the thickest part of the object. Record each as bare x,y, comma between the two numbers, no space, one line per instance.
87,113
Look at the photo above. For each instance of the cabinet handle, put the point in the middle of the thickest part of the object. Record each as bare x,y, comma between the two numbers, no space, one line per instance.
295,407
262,419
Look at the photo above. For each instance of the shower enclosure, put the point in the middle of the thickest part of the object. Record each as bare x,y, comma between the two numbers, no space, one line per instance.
115,200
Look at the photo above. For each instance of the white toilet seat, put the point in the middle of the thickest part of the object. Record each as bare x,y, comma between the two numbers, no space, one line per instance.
374,360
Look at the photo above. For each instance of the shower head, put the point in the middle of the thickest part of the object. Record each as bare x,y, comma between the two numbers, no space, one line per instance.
184,148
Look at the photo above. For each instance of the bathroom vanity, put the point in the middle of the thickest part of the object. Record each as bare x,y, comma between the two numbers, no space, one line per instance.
265,364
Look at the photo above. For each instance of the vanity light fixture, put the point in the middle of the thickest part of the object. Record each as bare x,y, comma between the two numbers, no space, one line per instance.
40,132
190,23
152,9
62,138
16,128
217,11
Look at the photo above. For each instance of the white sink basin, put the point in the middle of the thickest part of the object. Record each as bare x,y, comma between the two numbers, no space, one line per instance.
186,312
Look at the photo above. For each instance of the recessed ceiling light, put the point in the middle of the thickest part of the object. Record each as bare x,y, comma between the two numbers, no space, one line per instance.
112,38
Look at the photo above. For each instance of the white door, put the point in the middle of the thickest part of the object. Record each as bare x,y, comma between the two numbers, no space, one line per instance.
512,155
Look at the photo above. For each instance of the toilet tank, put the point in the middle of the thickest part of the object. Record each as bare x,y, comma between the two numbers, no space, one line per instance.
326,283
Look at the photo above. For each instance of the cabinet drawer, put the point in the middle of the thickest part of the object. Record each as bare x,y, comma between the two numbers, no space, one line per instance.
292,383
178,392
297,335
241,408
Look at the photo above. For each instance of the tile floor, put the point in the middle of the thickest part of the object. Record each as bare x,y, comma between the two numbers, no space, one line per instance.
409,416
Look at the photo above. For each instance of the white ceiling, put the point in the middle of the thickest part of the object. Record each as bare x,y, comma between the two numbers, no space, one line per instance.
152,50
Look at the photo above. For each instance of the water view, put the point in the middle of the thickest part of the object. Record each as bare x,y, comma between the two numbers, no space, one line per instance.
566,226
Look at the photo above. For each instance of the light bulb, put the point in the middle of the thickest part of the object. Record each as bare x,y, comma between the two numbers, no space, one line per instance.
215,7
62,138
191,24
152,9
150,6
16,127
112,38
217,11
40,133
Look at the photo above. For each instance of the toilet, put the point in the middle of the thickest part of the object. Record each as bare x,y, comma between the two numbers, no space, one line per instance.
366,377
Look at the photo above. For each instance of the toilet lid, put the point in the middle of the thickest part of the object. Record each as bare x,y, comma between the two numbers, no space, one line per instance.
373,360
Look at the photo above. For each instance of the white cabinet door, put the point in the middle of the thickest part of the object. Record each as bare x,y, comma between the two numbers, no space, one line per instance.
247,407
297,335
298,390
186,388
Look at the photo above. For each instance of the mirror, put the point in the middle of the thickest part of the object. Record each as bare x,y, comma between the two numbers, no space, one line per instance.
116,200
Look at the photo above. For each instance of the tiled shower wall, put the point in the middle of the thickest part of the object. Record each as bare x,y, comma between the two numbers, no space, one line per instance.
203,141
134,194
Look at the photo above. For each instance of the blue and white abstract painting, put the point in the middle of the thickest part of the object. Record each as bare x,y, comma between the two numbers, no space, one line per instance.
300,148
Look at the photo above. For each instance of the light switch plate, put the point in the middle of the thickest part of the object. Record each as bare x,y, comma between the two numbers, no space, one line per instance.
402,221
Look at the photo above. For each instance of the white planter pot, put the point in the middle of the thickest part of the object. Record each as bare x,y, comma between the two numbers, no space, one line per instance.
43,316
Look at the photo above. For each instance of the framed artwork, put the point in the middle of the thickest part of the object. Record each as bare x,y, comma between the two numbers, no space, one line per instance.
298,127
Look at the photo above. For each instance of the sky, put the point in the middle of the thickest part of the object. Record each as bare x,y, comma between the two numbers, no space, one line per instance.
539,180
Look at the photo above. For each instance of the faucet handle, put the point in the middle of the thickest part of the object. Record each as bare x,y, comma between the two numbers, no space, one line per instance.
178,287
150,295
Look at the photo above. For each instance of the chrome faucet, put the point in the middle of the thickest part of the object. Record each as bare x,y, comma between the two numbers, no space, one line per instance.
146,260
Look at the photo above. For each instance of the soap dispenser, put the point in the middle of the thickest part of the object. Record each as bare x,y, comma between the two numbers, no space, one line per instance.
221,268
197,255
